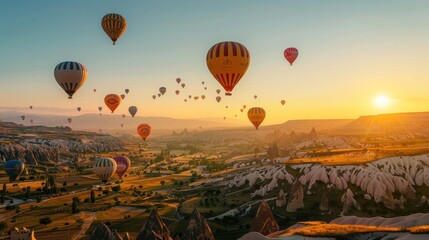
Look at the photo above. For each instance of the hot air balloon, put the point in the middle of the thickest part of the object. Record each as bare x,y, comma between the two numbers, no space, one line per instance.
70,76
79,108
203,97
205,88
256,115
23,117
123,164
178,80
183,85
112,101
122,96
196,98
283,102
241,110
101,114
127,91
218,98
228,61
235,115
14,168
177,92
186,100
95,90
224,118
159,94
104,168
132,110
31,107
218,91
189,96
162,90
100,108
203,82
244,106
114,25
69,120
291,54
123,115
144,130
226,106
255,97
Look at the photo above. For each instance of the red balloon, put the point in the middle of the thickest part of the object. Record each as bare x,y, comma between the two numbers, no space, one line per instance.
291,54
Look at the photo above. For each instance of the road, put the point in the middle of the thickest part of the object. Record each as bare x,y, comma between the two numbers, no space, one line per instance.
88,218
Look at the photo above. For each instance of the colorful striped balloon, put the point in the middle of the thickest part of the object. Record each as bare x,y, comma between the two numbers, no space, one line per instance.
228,62
256,116
70,76
114,25
104,168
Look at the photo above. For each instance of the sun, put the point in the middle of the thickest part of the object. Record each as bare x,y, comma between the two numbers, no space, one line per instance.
382,101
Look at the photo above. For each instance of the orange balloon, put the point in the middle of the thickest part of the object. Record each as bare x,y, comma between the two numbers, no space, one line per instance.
228,62
256,115
283,102
112,101
144,130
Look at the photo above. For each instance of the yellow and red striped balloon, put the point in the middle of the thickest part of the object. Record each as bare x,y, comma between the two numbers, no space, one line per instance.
114,25
228,62
256,116
112,101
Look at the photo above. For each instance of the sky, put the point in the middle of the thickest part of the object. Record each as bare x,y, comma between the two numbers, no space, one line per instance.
350,53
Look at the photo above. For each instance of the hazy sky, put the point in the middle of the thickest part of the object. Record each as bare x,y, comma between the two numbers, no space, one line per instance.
350,53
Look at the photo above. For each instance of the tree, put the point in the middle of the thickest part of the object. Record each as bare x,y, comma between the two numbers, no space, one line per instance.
4,189
64,183
92,196
45,221
162,182
74,206
116,188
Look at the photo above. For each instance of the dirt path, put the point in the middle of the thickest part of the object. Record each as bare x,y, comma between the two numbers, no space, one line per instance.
88,218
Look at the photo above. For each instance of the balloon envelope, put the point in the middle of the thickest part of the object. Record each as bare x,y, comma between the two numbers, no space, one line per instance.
112,101
203,97
178,80
114,25
123,115
196,97
218,98
228,62
79,108
123,164
14,168
70,76
153,96
127,91
100,108
132,110
69,120
218,91
162,90
283,102
104,168
256,116
291,54
177,92
183,85
122,96
144,130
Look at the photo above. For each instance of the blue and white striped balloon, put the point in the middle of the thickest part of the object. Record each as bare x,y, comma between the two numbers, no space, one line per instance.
70,76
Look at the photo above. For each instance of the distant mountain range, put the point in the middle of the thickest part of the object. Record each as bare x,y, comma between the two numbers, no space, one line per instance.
374,124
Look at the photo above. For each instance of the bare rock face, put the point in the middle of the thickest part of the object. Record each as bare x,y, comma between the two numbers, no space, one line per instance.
296,197
197,228
22,234
154,228
103,232
264,222
281,199
324,203
349,201
127,236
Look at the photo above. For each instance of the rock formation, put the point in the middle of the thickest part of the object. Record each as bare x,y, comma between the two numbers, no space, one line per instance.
197,228
281,199
103,232
349,201
22,234
264,222
154,228
296,197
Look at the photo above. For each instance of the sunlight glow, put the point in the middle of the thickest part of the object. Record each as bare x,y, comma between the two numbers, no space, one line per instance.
382,101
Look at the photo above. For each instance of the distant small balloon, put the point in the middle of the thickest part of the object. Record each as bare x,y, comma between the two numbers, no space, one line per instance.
159,94
255,97
235,115
31,107
69,120
112,101
153,96
226,106
144,130
218,98
196,97
224,118
283,102
218,91
183,85
244,106
95,90
100,108
202,82
127,91
291,54
31,120
190,96
79,108
178,80
186,100
203,97
162,90
23,117
122,96
132,110
177,92
205,88
123,115
122,125
241,110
